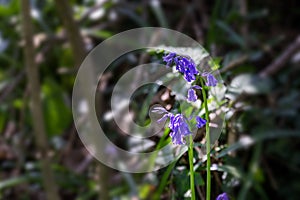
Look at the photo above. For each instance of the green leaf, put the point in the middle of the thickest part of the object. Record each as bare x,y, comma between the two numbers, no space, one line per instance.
12,8
231,170
18,103
99,33
144,191
17,180
164,180
3,118
251,84
214,63
57,113
182,183
199,180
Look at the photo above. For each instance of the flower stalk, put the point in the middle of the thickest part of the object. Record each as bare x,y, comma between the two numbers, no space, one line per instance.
208,177
191,163
179,127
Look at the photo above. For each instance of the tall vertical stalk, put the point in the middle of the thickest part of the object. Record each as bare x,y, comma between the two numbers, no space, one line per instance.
208,177
35,104
65,12
64,8
192,176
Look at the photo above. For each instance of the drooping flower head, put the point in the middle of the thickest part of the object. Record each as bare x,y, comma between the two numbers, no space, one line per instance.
192,96
169,58
200,122
184,65
187,67
211,80
223,196
179,127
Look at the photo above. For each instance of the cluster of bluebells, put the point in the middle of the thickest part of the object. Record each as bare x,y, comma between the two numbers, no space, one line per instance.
184,65
187,67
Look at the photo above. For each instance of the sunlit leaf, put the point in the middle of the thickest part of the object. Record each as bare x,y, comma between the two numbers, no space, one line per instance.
57,113
251,84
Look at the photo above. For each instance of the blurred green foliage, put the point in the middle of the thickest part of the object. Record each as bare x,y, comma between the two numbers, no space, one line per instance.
257,155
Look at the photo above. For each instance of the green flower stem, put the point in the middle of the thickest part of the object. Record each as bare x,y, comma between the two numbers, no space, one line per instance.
192,176
208,177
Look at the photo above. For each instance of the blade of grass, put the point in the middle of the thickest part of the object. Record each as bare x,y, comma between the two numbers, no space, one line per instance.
164,181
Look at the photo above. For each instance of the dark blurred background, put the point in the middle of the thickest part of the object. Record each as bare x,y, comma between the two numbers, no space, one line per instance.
42,44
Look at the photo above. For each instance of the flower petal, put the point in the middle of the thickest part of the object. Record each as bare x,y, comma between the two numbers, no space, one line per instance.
200,122
211,80
192,96
223,196
169,58
197,87
179,128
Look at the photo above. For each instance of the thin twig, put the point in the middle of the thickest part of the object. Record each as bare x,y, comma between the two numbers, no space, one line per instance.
10,87
269,173
93,9
198,28
235,63
283,58
200,193
217,178
243,12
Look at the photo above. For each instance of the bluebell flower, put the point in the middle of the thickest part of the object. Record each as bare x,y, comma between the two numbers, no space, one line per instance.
169,58
179,127
191,95
165,117
223,196
187,67
211,80
180,64
200,122
184,65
